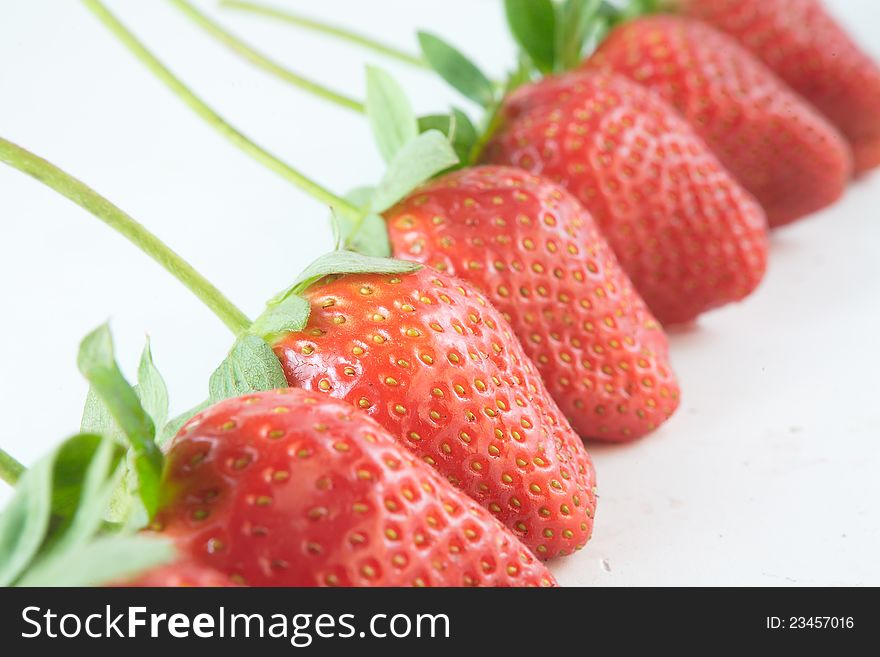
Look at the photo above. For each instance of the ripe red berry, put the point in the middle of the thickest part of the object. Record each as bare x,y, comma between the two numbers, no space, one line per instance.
774,143
687,234
537,254
436,365
800,42
293,488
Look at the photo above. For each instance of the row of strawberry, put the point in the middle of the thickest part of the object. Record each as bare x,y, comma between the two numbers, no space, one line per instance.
540,259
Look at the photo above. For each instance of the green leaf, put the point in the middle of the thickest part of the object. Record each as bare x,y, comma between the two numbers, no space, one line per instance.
577,20
95,491
105,560
287,311
287,315
347,262
97,419
456,69
457,127
390,113
25,520
251,366
370,236
153,394
59,503
174,425
151,389
423,157
533,25
97,364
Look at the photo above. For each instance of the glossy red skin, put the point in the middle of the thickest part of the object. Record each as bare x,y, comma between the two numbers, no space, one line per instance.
800,42
184,573
778,146
435,364
538,256
292,488
687,234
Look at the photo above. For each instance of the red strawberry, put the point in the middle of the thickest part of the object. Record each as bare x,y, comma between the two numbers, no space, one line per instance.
538,256
440,368
689,237
776,145
810,51
183,573
292,488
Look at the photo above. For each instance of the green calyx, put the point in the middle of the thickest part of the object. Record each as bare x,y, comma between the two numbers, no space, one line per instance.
288,311
556,35
61,528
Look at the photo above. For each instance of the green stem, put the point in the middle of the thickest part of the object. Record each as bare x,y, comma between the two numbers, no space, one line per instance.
10,469
339,205
87,198
333,30
262,61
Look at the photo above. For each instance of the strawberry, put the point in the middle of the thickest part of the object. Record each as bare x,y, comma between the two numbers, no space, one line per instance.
436,365
687,234
777,146
183,573
292,488
537,254
809,50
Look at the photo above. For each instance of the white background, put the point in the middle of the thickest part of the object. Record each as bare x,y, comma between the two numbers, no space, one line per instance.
768,475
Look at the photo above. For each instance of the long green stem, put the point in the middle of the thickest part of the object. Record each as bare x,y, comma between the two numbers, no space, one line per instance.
340,205
87,198
10,469
333,30
262,61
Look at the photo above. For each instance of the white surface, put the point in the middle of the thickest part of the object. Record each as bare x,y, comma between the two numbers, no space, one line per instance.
767,475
